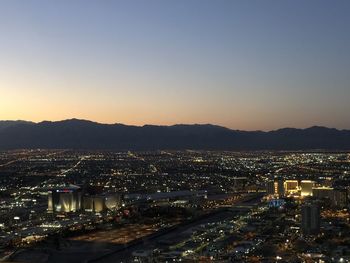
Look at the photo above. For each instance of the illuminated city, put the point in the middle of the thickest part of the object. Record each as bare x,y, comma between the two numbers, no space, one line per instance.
157,206
153,131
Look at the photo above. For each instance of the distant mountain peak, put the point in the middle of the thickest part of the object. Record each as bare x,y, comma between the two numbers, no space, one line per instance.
8,123
84,134
321,128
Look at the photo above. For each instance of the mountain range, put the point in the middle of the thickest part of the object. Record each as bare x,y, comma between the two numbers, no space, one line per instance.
83,134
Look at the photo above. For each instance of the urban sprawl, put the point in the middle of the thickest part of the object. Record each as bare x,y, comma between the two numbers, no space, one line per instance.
174,206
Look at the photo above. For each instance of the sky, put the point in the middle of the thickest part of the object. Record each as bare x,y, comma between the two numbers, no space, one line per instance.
243,64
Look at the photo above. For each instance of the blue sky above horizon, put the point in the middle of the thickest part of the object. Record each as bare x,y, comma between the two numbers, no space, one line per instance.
241,64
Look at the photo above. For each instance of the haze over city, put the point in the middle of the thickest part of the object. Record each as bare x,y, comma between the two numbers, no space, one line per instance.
250,65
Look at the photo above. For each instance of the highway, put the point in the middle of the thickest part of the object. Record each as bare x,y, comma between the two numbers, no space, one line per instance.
124,254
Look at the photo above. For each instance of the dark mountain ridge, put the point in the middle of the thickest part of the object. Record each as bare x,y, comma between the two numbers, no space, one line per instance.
6,124
82,134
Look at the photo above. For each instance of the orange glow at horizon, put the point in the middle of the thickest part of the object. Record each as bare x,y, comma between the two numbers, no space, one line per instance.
36,104
231,64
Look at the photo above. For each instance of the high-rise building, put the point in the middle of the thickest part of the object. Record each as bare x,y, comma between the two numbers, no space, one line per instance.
280,188
100,203
340,198
291,186
275,188
322,192
270,187
88,203
306,187
64,199
94,204
310,219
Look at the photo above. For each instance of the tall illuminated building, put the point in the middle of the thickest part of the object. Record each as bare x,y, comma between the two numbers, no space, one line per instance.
275,188
306,187
291,186
64,199
100,203
94,204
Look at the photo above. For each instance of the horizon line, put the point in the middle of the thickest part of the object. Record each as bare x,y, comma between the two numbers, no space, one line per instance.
175,124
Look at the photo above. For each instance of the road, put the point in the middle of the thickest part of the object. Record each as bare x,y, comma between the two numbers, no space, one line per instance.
124,254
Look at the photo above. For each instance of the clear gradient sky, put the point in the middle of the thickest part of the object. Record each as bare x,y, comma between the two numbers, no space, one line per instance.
243,64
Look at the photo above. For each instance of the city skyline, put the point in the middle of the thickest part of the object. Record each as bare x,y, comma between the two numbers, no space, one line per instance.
174,131
242,65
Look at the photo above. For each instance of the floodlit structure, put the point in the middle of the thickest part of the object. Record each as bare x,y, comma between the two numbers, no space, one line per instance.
291,186
113,201
306,187
275,188
64,199
100,203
